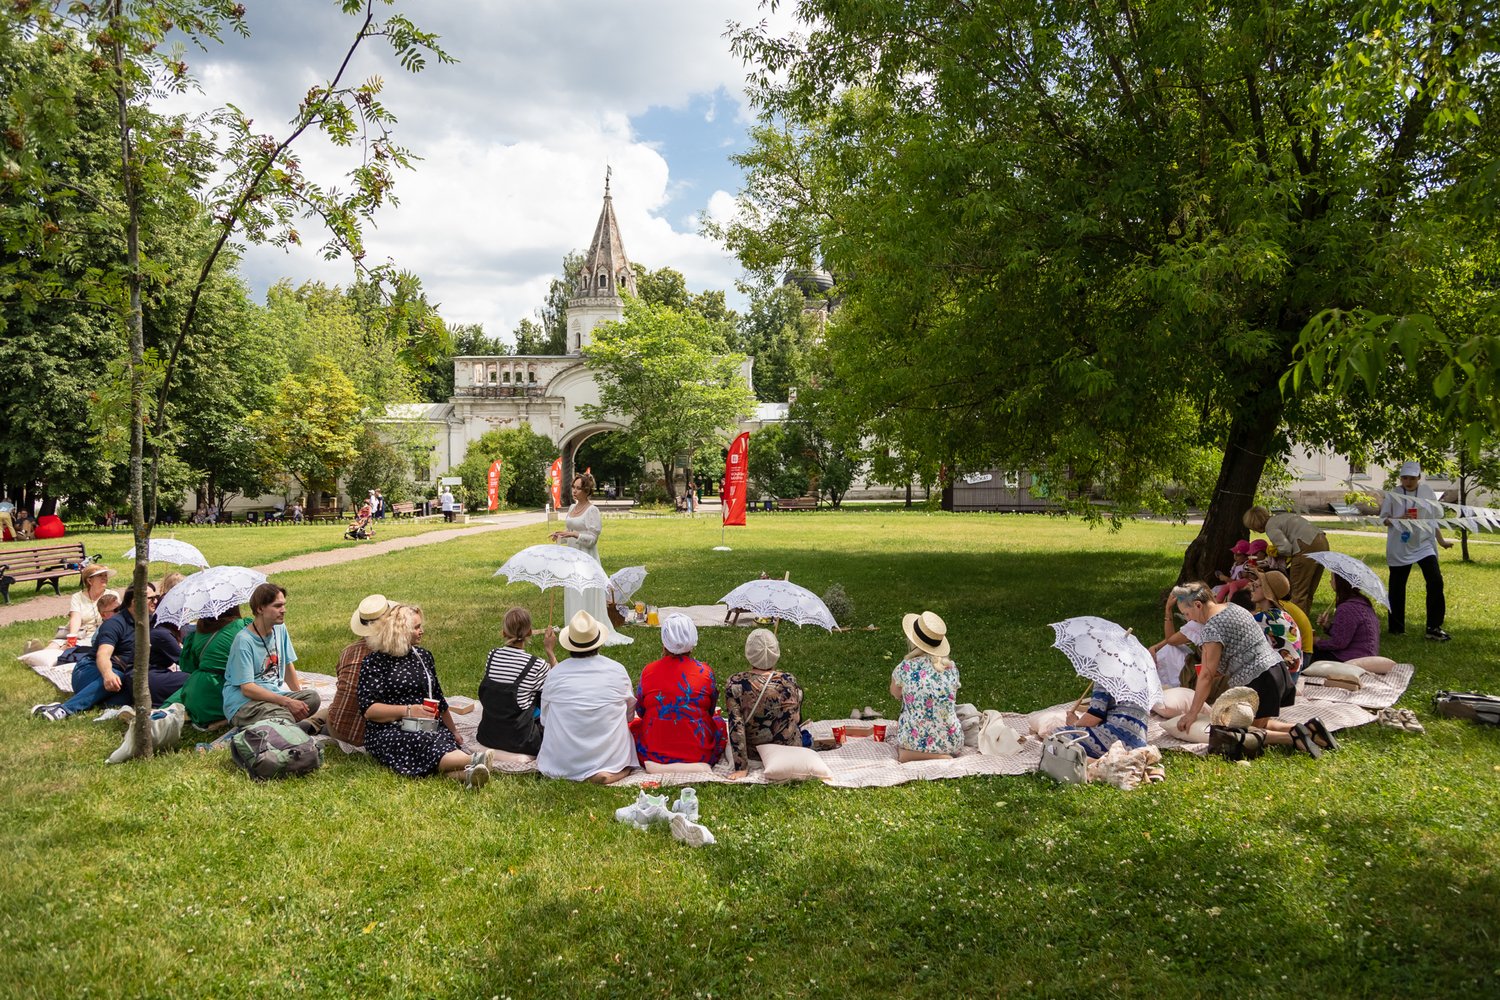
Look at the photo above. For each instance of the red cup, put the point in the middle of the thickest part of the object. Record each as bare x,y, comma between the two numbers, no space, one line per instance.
1411,512
878,732
431,704
838,735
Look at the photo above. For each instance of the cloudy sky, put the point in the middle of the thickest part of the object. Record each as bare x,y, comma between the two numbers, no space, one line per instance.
515,138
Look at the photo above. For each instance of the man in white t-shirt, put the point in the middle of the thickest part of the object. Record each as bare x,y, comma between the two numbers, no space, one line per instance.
1411,541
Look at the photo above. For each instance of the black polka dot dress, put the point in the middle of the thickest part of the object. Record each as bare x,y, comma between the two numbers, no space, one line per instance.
404,680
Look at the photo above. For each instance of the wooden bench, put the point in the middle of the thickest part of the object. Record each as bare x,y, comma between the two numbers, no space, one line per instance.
403,510
46,564
797,503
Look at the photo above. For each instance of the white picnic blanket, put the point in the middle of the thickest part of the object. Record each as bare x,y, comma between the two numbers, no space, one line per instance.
1376,691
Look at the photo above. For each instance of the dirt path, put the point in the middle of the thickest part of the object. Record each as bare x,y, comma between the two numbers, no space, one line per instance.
45,608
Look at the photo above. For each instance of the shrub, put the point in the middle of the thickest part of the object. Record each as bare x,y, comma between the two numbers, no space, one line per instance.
839,604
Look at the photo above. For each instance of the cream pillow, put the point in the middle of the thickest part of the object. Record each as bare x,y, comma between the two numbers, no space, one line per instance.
1333,668
785,763
1175,701
653,767
42,658
1046,720
1375,664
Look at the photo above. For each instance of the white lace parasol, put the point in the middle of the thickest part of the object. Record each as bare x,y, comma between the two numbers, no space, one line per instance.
554,566
208,594
1111,657
1360,576
781,599
171,550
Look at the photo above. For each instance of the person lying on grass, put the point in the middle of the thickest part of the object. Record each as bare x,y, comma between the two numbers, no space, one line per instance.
408,727
1234,644
926,684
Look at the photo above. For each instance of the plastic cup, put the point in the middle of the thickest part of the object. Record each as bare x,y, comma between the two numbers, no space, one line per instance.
878,732
652,618
432,705
640,607
838,735
1411,512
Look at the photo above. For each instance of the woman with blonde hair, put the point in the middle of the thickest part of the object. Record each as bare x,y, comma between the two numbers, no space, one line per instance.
511,689
926,684
1293,536
408,727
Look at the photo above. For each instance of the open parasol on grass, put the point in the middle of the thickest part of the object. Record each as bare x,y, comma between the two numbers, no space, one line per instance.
782,600
171,550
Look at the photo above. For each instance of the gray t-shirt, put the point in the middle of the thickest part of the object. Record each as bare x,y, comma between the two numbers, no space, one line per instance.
1247,653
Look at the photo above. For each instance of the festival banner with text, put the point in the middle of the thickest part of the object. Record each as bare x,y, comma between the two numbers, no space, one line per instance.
554,482
494,484
736,469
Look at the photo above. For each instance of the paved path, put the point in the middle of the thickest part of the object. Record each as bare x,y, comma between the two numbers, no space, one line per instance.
44,608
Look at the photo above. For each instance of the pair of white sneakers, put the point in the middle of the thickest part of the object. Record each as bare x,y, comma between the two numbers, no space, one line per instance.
681,817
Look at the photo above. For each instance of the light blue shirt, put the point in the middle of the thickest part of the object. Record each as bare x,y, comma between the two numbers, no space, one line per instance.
256,660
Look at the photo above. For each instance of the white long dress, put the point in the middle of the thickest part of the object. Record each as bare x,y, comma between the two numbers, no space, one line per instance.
588,525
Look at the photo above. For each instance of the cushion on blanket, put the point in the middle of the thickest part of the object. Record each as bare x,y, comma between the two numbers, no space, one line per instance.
653,767
1375,664
792,763
42,658
1042,723
1175,700
1333,668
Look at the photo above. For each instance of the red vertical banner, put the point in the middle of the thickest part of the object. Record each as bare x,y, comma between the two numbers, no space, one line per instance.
554,482
736,469
494,484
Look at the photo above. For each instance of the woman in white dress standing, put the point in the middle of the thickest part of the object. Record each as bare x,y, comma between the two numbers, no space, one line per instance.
584,523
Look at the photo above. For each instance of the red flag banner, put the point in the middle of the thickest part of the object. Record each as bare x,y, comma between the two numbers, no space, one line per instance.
554,482
736,470
494,484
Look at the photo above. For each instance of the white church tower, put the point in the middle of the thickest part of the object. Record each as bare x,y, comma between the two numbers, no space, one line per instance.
605,276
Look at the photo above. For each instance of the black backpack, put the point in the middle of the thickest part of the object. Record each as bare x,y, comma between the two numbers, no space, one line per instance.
1468,705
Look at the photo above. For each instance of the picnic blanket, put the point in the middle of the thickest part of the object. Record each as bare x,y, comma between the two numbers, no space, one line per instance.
1376,691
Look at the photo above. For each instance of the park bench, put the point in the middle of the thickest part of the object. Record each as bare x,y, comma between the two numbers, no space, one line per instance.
327,516
1346,511
403,510
797,503
46,564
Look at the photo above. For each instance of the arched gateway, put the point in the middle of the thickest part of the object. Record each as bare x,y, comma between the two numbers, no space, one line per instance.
545,392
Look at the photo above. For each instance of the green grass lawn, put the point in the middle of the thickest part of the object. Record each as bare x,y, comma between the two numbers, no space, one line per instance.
1372,872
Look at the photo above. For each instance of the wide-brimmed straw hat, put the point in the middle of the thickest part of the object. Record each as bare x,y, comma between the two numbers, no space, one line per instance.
583,634
1235,707
370,611
927,632
1275,583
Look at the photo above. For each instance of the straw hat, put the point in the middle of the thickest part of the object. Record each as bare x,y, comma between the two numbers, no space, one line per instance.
583,634
762,649
927,632
1235,708
1275,583
370,611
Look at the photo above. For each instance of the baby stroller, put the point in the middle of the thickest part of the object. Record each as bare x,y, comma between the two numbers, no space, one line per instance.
361,529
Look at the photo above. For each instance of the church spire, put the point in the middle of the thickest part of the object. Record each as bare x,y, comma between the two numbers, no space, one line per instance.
606,270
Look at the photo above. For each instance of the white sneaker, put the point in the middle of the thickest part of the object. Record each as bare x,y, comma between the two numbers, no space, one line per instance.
632,813
687,804
476,776
690,833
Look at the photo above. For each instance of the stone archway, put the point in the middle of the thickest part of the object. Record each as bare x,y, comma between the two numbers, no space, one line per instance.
575,439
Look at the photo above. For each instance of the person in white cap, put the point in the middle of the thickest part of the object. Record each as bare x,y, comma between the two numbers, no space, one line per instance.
586,705
1411,541
675,703
763,704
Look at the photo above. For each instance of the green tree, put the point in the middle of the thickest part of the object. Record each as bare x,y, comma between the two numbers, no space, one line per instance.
778,332
1064,226
313,427
525,456
548,334
378,465
668,375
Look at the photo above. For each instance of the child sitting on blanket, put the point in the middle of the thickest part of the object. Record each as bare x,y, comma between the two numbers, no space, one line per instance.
1235,580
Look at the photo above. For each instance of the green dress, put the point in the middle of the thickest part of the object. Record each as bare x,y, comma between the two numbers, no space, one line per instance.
203,659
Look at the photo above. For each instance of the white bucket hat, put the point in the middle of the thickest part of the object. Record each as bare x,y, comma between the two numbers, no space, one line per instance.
927,632
583,634
370,611
678,633
1411,469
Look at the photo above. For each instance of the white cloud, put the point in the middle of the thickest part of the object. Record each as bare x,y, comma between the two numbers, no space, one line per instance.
514,139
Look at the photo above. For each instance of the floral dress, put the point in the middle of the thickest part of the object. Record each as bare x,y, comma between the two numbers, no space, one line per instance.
1284,636
760,713
929,716
403,680
674,703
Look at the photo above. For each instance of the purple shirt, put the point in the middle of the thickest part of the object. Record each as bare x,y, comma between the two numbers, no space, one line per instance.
1354,632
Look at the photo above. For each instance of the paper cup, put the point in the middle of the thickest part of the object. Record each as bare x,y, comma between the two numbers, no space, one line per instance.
1411,512
838,735
877,731
432,705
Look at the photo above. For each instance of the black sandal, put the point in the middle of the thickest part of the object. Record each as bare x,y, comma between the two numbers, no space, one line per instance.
1303,740
1320,734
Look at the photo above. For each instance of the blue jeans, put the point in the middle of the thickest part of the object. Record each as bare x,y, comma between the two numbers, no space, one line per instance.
88,686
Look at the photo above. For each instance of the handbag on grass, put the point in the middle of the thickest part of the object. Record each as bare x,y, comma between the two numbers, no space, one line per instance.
1063,760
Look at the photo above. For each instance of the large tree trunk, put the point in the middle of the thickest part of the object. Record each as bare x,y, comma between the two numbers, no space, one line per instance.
1251,435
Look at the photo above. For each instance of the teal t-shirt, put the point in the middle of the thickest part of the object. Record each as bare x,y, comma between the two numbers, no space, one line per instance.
254,659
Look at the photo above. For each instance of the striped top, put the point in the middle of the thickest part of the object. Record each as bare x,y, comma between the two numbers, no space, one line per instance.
507,663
